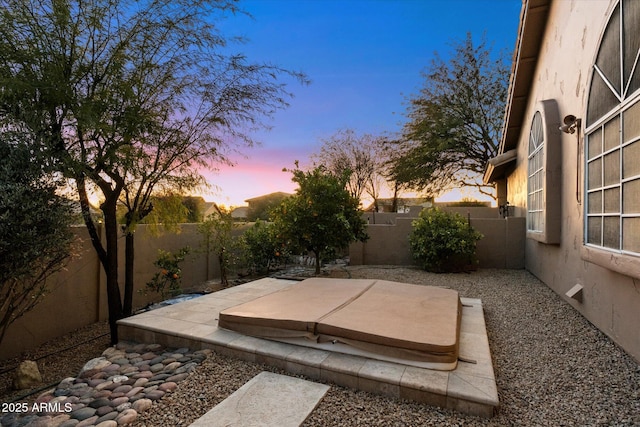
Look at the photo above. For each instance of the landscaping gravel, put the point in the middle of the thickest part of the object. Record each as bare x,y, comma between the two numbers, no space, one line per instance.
552,366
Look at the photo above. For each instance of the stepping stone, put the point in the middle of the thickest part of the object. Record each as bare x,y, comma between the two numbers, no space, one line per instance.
266,399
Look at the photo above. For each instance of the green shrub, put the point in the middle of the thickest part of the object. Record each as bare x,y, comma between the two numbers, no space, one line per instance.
168,281
443,242
263,251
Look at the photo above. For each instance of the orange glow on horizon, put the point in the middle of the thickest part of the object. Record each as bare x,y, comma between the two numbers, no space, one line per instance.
259,174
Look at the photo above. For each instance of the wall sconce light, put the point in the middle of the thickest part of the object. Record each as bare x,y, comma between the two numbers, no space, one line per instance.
570,124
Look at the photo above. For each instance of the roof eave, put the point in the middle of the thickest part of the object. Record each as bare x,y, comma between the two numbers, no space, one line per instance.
533,21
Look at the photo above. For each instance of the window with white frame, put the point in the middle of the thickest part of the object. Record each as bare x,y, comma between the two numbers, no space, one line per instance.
612,147
544,171
535,188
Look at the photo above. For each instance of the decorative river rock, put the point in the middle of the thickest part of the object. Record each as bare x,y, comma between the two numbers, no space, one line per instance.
112,389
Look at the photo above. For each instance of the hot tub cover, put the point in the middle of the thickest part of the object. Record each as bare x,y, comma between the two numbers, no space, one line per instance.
410,324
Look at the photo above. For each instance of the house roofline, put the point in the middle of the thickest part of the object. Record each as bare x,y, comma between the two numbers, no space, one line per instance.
533,22
266,196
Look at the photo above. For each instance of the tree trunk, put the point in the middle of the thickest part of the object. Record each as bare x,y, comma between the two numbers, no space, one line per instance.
85,208
108,256
131,219
223,268
394,202
129,258
317,254
114,300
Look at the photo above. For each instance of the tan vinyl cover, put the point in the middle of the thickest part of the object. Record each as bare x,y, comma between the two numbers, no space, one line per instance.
393,319
392,314
294,311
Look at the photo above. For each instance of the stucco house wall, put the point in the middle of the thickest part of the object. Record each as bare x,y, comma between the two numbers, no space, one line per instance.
567,51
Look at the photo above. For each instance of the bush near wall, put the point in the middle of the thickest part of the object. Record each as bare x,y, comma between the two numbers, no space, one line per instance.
443,241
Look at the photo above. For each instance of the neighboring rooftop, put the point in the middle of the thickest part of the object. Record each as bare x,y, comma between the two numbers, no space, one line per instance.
277,194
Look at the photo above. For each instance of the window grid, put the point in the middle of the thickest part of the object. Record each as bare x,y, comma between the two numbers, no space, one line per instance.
535,181
605,227
535,196
612,149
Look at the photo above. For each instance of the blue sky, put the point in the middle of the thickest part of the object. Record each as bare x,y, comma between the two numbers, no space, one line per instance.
364,59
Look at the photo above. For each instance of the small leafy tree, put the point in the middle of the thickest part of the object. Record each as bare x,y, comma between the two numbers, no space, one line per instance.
195,208
35,238
168,281
322,216
218,238
263,250
443,241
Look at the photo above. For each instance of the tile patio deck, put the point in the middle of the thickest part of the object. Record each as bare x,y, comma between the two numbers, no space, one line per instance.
470,388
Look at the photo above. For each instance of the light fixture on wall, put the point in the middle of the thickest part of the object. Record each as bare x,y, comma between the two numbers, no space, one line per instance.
570,124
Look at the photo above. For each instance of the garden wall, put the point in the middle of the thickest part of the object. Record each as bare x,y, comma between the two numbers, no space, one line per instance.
77,296
501,247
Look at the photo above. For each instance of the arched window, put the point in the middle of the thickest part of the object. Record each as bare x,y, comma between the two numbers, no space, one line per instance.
535,187
544,173
612,150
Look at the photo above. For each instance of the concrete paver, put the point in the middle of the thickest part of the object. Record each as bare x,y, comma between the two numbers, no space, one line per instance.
267,399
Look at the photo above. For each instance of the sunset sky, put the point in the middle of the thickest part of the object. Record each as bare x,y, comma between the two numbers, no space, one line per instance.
364,59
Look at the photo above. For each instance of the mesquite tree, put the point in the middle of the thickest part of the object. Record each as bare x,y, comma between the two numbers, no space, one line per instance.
123,97
454,122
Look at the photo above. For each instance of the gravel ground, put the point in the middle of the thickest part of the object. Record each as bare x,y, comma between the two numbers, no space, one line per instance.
552,366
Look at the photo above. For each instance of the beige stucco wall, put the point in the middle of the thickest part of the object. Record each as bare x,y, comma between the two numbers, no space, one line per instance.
611,301
77,296
501,247
388,244
72,302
